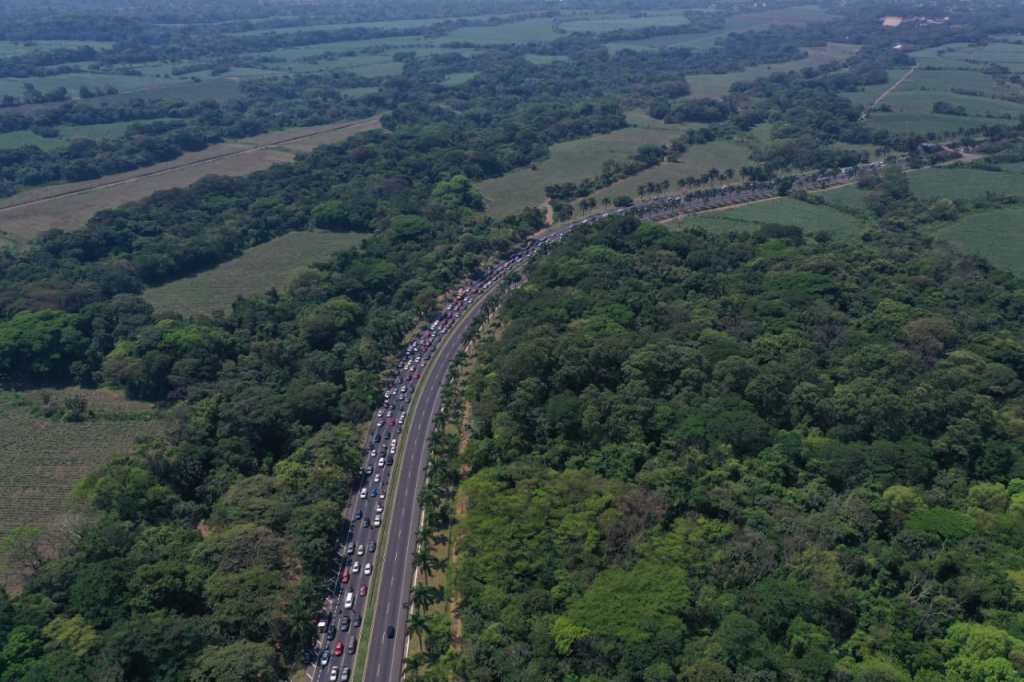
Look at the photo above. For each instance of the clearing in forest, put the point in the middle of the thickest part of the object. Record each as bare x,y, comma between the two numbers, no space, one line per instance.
43,457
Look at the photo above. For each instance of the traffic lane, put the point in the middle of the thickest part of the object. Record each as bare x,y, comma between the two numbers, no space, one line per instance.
391,595
391,652
390,609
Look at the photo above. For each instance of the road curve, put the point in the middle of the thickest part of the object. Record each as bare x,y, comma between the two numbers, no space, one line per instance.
384,661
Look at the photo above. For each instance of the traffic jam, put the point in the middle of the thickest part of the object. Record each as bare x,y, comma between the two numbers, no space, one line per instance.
334,650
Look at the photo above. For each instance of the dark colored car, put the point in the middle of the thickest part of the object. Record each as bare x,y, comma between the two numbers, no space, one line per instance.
352,648
366,523
359,514
346,622
391,632
357,621
332,632
372,547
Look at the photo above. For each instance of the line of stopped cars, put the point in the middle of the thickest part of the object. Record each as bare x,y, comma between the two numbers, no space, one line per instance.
335,647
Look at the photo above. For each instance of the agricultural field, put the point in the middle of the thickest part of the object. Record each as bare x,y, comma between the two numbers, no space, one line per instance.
718,84
604,23
952,74
15,48
785,211
698,159
738,23
42,458
573,161
996,235
941,183
99,131
72,81
269,265
527,31
70,205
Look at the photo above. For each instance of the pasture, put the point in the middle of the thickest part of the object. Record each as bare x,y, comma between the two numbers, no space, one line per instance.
99,131
573,161
266,266
930,184
996,235
605,23
810,218
69,205
697,160
718,84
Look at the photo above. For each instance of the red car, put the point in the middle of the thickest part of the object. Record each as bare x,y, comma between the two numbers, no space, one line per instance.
362,590
345,576
339,648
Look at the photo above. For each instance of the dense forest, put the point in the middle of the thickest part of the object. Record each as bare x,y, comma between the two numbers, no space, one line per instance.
763,457
747,457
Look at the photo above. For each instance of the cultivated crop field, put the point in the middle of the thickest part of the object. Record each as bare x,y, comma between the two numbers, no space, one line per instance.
785,211
269,265
996,235
573,161
41,459
70,205
718,84
952,74
697,160
941,183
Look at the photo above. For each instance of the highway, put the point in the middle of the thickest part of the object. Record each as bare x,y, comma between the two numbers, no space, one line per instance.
398,447
397,451
384,661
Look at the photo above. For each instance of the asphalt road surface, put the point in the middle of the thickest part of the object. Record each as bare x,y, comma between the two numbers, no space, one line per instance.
384,662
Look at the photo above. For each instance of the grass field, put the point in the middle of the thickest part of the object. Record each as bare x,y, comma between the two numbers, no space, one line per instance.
259,269
698,159
940,72
41,459
99,131
573,161
9,48
718,84
602,24
996,235
809,217
70,205
72,81
738,23
941,183
526,31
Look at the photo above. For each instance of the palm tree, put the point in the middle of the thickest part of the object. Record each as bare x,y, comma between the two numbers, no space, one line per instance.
418,626
424,561
424,596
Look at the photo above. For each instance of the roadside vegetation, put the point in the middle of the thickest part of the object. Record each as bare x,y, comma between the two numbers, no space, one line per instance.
778,442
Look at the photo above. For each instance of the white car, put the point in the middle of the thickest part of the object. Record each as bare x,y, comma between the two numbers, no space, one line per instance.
362,493
355,567
376,521
360,550
380,463
350,599
367,569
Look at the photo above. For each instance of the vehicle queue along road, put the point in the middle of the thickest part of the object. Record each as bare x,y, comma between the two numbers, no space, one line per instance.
412,399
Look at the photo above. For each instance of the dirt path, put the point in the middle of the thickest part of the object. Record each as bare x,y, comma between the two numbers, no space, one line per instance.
888,91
